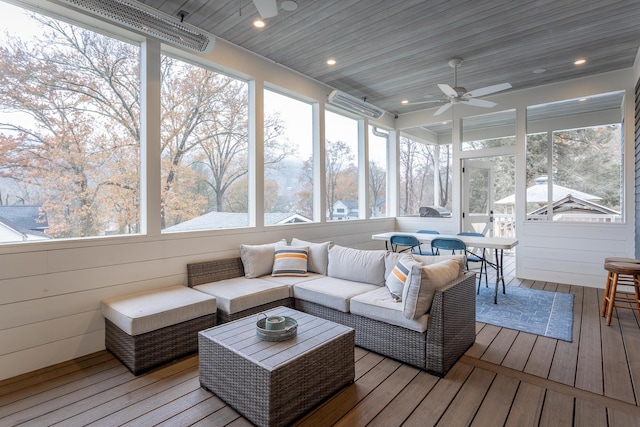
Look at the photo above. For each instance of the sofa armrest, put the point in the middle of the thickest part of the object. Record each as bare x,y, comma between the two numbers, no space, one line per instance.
452,323
213,271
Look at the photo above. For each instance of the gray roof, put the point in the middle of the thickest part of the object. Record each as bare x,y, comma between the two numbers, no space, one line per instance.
539,193
24,218
233,220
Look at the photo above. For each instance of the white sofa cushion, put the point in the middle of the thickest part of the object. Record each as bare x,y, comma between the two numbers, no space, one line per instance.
258,259
239,293
425,280
290,261
318,255
331,292
357,265
151,310
291,280
377,305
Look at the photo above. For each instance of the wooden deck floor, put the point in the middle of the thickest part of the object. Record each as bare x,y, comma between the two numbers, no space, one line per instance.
507,378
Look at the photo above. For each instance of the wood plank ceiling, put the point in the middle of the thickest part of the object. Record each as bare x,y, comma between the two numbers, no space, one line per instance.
389,51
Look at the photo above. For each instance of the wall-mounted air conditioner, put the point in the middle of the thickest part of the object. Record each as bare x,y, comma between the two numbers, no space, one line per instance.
354,105
148,20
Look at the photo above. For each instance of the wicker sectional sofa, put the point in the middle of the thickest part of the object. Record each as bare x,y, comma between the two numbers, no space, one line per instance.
347,286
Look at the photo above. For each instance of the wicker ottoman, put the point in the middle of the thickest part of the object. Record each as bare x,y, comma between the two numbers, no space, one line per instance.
149,328
274,383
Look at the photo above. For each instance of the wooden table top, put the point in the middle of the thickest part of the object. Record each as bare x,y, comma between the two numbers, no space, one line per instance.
240,336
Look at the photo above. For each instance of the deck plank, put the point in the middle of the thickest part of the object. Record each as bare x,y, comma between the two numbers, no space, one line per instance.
347,399
526,407
367,409
62,390
500,346
106,391
557,410
405,402
518,354
589,368
33,383
436,402
464,406
497,403
563,367
589,414
631,338
541,357
617,378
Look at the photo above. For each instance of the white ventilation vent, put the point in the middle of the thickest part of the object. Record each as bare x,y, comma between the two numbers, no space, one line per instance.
354,105
150,21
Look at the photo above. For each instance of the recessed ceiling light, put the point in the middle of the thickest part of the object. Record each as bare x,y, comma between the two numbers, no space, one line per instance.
445,122
582,99
404,101
539,70
580,61
331,61
258,23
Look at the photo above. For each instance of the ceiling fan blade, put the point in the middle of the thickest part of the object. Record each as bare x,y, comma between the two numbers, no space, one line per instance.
266,8
442,109
448,90
439,101
489,89
479,102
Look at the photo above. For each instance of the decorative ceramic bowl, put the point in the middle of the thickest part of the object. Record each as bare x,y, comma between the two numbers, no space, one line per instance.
289,331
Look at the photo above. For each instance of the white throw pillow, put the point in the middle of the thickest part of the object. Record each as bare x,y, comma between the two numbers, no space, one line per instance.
258,259
400,274
357,265
424,281
318,255
290,261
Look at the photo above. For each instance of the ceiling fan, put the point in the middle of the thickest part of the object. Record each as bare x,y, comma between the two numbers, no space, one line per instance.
459,95
269,8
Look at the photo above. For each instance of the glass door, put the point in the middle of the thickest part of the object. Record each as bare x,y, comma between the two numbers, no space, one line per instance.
477,196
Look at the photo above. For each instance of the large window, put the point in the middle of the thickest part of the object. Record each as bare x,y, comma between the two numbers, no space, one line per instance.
574,172
288,163
425,176
378,141
69,130
341,167
204,148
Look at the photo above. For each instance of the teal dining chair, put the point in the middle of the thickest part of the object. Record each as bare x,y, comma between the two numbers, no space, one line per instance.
402,243
426,250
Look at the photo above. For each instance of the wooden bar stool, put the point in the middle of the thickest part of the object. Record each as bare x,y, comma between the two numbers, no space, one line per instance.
610,277
624,274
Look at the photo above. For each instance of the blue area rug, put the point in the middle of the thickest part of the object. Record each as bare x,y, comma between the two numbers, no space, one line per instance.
545,313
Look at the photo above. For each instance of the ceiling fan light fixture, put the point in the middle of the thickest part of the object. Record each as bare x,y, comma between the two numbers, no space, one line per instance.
459,95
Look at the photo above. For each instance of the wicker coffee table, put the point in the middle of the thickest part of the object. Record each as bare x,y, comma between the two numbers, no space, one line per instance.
274,383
